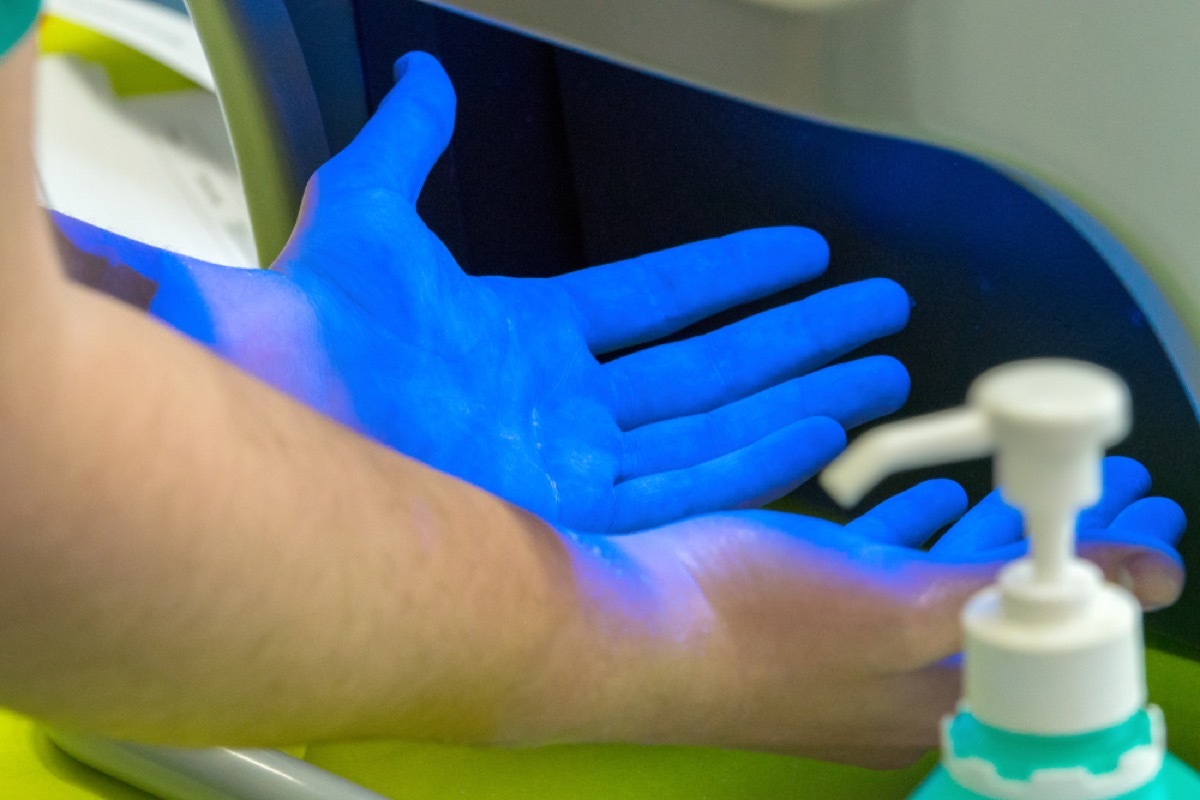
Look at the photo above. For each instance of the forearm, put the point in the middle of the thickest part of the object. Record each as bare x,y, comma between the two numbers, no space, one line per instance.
254,319
197,558
189,556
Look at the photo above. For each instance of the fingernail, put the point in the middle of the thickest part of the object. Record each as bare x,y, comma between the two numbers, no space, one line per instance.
1152,578
399,68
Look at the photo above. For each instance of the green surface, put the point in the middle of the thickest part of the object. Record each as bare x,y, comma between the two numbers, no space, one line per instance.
30,767
272,195
404,771
131,73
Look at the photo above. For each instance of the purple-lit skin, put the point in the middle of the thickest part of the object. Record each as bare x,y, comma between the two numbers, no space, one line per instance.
190,558
840,642
368,318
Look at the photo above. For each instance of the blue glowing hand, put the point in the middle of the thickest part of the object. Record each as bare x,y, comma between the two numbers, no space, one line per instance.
497,380
1124,518
838,641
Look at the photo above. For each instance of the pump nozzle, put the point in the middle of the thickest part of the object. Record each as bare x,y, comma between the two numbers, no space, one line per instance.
954,435
1050,649
1047,420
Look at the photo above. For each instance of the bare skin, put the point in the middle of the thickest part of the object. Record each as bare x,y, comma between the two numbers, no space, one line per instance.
189,556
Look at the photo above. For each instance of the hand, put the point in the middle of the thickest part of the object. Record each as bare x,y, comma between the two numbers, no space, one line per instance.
839,642
368,317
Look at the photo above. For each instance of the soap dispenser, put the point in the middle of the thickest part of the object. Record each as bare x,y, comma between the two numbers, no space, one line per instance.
1054,690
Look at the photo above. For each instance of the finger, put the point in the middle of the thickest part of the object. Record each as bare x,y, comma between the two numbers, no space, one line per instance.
912,516
705,372
1154,523
408,132
993,523
851,393
756,474
1144,562
645,298
930,606
1125,480
990,524
1151,570
1135,551
1153,519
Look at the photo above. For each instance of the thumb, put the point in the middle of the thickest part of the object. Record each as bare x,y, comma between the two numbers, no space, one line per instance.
1153,574
409,131
1137,550
935,595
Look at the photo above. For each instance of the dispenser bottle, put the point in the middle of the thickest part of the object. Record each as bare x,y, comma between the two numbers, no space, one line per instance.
1054,690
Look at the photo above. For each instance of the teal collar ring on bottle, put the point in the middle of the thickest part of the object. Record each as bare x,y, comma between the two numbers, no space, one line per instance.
1093,766
16,18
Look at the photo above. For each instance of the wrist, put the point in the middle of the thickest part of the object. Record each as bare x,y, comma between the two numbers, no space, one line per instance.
261,322
634,661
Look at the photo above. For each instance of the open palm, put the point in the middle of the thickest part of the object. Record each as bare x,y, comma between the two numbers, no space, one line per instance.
804,614
499,381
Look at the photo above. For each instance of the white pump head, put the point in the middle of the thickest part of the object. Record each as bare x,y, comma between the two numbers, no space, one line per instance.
1050,649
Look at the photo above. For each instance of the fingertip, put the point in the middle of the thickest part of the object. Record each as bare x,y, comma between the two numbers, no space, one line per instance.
890,300
856,392
416,61
796,452
824,434
896,293
813,246
1145,565
913,516
991,530
949,494
802,253
1155,578
852,314
1157,517
939,502
401,66
1125,471
420,76
1173,513
890,372
406,135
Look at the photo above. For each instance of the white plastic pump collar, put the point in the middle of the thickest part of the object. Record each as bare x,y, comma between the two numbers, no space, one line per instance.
1053,659
1050,650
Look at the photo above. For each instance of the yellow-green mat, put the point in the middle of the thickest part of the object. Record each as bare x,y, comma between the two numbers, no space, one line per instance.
30,767
131,73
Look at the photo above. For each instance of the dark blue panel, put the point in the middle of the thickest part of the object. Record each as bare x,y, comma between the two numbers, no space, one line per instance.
502,199
995,274
562,160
